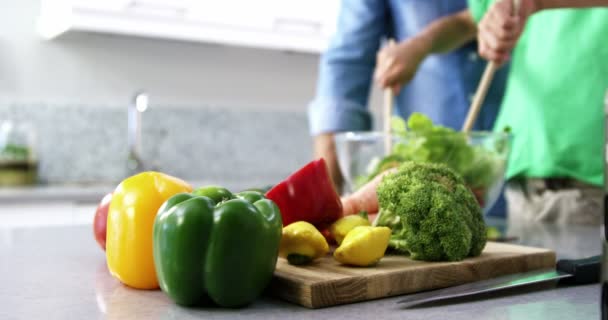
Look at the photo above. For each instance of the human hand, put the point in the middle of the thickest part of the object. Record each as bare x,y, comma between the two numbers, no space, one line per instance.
501,27
397,64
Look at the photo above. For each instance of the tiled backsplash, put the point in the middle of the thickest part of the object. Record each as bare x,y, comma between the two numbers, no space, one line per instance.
77,144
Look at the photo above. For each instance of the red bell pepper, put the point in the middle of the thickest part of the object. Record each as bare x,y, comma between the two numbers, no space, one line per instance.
308,195
101,219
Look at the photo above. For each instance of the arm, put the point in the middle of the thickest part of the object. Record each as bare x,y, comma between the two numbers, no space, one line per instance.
324,147
499,29
345,74
555,4
397,65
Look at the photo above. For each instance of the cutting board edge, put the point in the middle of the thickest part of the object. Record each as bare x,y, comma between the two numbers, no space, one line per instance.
320,295
277,288
542,259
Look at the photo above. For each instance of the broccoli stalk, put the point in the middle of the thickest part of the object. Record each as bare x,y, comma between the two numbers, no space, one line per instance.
432,214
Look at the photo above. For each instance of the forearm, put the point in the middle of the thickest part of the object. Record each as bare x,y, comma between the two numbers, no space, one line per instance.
555,4
324,147
449,33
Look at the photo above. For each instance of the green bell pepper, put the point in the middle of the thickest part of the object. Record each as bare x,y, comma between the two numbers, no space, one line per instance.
213,245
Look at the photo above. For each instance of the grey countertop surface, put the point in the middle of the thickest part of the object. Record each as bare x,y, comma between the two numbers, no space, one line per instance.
60,273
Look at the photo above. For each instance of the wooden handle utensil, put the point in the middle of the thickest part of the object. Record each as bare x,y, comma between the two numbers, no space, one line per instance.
388,111
484,85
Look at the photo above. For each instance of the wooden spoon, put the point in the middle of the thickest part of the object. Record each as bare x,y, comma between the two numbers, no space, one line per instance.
484,84
388,110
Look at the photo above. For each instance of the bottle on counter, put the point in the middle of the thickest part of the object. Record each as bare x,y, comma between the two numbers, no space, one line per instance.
18,161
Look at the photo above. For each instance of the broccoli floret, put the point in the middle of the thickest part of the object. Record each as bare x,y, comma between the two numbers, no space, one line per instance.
432,214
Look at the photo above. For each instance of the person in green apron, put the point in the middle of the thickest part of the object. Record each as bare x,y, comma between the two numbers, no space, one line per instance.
553,103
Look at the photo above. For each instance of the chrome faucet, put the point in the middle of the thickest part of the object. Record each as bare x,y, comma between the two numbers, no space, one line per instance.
138,105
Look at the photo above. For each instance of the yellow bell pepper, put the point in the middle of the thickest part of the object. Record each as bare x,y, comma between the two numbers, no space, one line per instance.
301,243
363,246
131,215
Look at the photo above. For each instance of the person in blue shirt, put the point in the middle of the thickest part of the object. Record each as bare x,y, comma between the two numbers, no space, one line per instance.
440,82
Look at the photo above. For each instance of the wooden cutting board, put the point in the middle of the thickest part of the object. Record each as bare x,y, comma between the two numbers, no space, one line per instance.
326,282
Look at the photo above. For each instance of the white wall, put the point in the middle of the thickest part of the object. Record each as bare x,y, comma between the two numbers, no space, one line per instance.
95,69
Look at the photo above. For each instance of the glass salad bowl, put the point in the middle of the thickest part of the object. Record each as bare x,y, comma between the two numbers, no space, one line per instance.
480,157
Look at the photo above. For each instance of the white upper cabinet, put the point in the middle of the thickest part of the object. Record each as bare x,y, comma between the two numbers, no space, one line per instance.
295,25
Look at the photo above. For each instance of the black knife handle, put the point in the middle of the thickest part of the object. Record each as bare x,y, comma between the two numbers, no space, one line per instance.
583,271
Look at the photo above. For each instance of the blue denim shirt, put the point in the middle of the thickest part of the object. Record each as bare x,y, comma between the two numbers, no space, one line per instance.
442,88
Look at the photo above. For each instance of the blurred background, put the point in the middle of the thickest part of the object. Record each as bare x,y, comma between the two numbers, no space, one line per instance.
92,91
227,88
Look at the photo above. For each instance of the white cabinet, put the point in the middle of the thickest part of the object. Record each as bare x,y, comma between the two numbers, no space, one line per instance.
296,25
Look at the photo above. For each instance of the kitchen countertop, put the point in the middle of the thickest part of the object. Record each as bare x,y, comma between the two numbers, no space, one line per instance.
59,272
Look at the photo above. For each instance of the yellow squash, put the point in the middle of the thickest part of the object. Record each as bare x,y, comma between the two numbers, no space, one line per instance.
340,228
131,215
301,243
363,246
